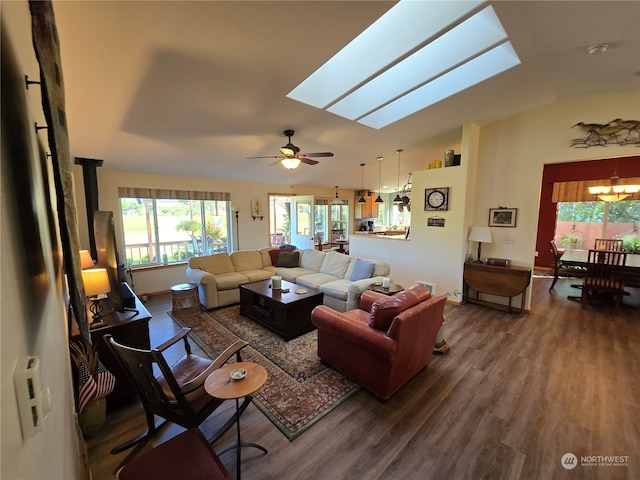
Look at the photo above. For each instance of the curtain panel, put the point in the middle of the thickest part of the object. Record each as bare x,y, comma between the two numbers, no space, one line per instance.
165,194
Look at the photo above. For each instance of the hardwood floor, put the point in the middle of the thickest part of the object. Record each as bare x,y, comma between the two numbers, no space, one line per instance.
511,397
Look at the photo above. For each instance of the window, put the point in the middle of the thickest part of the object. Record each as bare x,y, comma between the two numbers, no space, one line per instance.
168,226
327,217
580,223
279,219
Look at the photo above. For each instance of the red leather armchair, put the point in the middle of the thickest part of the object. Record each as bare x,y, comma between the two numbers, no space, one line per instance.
385,342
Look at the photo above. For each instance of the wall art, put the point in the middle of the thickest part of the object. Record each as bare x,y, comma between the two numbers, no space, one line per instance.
502,217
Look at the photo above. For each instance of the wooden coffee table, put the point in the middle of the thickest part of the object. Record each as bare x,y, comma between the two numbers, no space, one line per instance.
288,314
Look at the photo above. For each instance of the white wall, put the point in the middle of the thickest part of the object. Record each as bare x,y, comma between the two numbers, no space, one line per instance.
32,320
513,153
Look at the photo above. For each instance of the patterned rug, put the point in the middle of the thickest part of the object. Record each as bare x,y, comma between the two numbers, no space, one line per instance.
299,391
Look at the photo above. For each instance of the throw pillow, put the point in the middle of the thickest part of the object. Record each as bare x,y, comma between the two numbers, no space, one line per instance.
361,269
275,252
384,311
288,259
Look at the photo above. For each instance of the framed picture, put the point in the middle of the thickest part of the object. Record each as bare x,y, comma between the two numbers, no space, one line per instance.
256,208
436,199
502,217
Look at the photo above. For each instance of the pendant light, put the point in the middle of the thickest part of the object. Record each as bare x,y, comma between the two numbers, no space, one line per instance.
336,201
379,199
362,199
613,192
398,200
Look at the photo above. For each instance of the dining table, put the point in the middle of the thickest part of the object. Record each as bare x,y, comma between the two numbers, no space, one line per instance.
631,269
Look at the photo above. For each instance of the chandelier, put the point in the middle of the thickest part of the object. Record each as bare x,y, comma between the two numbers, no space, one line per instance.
613,192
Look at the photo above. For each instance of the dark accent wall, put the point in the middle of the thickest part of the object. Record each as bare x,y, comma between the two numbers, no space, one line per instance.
573,171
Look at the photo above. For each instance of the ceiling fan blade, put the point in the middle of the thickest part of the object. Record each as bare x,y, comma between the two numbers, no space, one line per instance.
308,161
317,154
273,156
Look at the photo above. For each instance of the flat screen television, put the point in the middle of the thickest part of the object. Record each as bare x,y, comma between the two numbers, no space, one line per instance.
106,251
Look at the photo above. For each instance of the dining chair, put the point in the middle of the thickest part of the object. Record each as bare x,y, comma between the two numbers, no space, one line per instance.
559,271
608,244
604,275
173,392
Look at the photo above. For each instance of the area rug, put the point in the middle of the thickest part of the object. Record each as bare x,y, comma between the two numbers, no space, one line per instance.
299,390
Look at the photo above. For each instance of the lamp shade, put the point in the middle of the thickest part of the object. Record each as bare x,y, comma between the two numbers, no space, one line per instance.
96,281
85,259
290,163
480,234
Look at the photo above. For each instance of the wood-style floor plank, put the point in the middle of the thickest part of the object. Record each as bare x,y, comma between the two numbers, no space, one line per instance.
514,394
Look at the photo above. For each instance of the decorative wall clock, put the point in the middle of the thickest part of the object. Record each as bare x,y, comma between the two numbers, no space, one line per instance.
436,198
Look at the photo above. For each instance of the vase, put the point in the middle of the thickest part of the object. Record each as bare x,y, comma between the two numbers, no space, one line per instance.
93,416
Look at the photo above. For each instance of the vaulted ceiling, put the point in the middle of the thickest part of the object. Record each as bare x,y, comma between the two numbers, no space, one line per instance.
193,88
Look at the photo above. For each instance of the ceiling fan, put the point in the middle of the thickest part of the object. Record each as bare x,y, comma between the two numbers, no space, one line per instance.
291,156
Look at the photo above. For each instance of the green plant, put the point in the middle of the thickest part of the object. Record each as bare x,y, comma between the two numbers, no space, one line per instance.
631,243
571,240
189,226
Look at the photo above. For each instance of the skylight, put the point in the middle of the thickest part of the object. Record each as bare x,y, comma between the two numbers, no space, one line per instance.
415,55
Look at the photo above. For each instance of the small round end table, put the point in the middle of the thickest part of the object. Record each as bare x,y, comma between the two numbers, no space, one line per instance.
220,385
392,289
184,299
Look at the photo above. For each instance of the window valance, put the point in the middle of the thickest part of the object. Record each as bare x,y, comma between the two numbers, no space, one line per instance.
165,194
578,191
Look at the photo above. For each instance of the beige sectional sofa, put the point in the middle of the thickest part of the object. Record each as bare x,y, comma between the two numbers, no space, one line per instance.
341,278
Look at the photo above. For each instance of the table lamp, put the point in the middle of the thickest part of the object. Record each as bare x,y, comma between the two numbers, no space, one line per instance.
480,234
96,282
85,259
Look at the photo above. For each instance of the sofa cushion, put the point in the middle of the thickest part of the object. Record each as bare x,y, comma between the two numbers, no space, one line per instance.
256,275
314,280
273,254
335,264
288,259
385,310
266,256
246,260
361,270
312,259
230,280
292,274
214,264
336,289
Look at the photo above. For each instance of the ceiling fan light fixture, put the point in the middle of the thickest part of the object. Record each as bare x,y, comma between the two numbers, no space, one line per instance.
290,163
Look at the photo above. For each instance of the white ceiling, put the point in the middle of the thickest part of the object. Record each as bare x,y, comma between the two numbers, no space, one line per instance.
192,88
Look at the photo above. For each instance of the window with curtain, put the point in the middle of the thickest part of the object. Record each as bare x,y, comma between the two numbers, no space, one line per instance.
581,218
164,226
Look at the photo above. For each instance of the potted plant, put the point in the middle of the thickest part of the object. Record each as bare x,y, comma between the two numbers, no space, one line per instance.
441,345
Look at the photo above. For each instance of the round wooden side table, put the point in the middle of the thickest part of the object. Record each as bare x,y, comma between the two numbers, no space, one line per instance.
184,299
220,384
392,289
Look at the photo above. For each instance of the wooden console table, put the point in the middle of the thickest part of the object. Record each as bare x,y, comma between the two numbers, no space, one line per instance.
493,280
129,328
